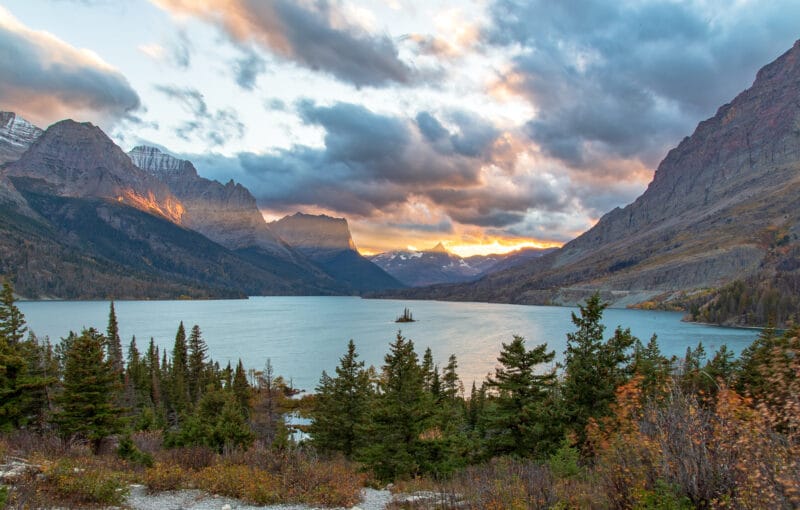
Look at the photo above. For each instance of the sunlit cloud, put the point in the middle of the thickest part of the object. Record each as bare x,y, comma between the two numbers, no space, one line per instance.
324,36
45,79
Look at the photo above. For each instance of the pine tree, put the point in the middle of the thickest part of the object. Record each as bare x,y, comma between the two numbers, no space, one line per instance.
341,411
518,422
89,388
197,368
401,414
23,368
241,389
593,369
653,367
179,373
114,342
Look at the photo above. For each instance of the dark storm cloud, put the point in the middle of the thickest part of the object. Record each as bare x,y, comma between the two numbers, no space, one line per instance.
45,79
371,162
215,128
311,34
630,79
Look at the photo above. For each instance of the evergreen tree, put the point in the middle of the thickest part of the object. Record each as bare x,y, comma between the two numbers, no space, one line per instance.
451,384
428,370
241,389
518,423
197,368
90,384
216,422
23,368
114,342
153,375
593,369
341,411
653,367
400,416
179,373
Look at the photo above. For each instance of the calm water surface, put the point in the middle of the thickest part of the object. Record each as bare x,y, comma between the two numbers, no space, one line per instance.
303,336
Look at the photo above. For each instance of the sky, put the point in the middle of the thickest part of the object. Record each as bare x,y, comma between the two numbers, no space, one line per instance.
486,124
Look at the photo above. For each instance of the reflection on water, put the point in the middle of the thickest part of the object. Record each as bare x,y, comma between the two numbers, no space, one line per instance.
305,335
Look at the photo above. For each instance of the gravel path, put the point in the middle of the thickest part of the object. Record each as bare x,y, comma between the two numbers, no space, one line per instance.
140,499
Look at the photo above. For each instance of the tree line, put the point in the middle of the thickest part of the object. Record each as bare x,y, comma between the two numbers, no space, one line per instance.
412,417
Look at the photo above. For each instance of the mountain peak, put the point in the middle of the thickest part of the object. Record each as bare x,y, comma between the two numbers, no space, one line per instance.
439,248
73,159
16,135
161,164
314,232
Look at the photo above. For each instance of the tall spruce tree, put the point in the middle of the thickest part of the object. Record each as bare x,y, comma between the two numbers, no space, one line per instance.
24,367
90,384
241,388
400,415
518,423
593,368
114,341
197,365
179,373
341,411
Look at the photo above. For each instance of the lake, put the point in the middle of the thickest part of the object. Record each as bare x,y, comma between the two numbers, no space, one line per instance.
302,336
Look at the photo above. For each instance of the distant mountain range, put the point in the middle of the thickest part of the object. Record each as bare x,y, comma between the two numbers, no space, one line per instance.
723,205
437,265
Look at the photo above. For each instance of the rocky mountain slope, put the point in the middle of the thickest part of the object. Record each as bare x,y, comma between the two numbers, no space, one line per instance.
91,224
437,265
723,205
228,214
78,160
16,135
327,241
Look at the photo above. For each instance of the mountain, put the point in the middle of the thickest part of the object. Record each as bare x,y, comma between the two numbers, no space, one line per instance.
228,214
78,160
16,135
723,205
327,241
93,225
437,265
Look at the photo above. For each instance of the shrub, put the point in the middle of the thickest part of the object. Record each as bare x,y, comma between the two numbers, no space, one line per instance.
3,496
166,477
127,450
242,482
87,485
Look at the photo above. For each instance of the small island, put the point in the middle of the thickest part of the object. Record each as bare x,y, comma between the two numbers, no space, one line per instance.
406,317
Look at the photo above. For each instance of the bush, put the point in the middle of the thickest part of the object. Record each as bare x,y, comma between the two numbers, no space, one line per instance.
241,482
3,496
127,450
87,485
166,477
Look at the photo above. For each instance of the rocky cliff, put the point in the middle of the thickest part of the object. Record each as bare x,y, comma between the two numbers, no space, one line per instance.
314,234
327,241
78,160
712,213
16,135
225,213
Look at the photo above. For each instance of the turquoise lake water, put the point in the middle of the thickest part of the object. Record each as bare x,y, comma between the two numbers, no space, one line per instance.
302,336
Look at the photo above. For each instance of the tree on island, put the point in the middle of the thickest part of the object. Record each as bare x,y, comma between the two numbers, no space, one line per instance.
406,317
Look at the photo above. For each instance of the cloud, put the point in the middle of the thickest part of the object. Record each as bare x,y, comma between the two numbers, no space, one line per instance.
313,34
628,79
248,68
369,161
45,79
214,128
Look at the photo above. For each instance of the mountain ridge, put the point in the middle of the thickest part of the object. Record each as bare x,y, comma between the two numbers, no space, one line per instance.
705,218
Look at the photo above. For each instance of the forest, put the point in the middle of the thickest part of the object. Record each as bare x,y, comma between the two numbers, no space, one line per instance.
615,424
